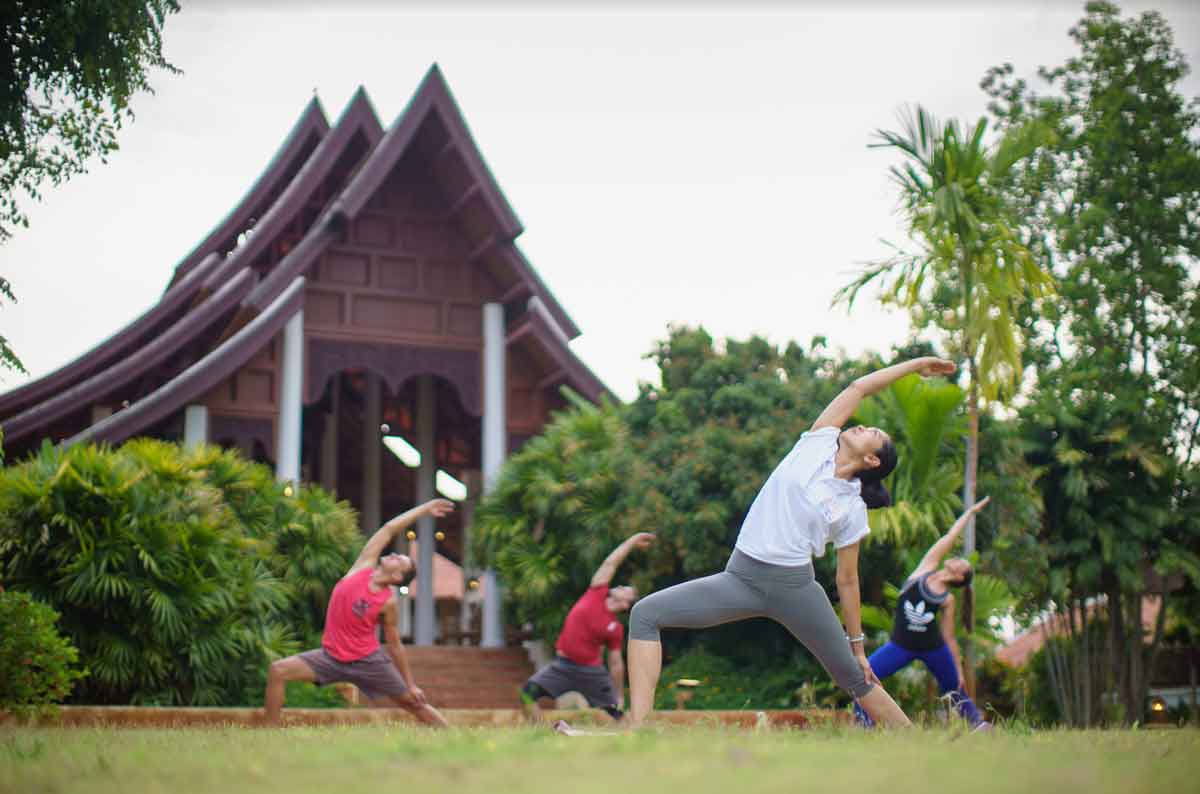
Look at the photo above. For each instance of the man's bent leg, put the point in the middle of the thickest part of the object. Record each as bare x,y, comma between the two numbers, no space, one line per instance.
529,698
293,668
424,713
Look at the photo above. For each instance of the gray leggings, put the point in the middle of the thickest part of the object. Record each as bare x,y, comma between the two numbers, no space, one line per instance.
752,589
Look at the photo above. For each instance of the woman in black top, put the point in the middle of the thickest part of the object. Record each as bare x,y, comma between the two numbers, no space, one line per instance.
924,623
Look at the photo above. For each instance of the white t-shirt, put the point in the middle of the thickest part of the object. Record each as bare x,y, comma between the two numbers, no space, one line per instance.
803,506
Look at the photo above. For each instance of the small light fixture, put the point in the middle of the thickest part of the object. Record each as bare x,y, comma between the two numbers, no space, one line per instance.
439,536
450,487
385,428
409,455
1158,705
411,535
403,589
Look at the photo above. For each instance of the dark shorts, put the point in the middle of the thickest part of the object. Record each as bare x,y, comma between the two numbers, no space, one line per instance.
591,681
374,675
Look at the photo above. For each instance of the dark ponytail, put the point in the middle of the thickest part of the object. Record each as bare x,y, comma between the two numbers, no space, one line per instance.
874,492
968,600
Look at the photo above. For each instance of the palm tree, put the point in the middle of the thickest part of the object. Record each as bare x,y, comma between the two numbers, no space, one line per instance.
926,424
972,274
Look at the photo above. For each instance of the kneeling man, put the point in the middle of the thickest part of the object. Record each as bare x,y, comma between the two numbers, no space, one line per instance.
591,624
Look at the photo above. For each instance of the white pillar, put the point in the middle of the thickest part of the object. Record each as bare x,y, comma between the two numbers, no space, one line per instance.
425,420
287,464
372,450
329,441
472,480
406,616
195,426
495,447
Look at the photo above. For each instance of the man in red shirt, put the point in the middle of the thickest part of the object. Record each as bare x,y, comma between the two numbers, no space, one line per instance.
591,624
350,649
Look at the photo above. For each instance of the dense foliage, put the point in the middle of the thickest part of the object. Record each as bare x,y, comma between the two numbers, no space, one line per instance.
178,574
1112,424
37,664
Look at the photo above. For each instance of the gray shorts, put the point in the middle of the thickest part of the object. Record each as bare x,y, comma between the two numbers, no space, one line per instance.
750,588
374,675
591,681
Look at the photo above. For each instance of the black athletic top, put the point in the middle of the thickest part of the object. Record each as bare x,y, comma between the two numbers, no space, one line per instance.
915,627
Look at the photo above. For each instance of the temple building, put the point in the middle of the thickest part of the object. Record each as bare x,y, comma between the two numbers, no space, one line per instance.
365,297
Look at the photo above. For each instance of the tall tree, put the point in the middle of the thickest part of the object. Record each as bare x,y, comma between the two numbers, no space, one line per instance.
1115,418
972,272
68,70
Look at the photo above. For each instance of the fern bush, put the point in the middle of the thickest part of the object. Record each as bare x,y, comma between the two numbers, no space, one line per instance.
168,566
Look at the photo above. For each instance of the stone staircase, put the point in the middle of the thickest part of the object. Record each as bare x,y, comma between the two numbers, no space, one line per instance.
470,678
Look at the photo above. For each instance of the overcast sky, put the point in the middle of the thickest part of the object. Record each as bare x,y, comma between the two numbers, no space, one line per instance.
695,163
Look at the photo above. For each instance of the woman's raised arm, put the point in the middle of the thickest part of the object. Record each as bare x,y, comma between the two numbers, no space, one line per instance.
838,412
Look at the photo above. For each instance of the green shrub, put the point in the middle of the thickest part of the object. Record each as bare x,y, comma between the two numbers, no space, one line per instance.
37,664
727,684
164,565
309,539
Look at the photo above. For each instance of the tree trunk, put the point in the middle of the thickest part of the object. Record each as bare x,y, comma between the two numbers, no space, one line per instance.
1135,682
1061,696
969,480
1192,681
1085,677
1116,617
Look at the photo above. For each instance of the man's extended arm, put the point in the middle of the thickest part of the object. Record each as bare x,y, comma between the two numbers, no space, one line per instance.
386,534
608,568
616,669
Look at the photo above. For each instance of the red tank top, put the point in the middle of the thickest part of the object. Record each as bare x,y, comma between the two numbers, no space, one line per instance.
351,617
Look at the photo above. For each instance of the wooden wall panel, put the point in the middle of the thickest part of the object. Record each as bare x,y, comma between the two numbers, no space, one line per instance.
398,273
323,308
395,314
465,320
345,268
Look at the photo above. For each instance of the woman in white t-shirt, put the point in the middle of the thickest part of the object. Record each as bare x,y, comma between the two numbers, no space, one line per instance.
819,494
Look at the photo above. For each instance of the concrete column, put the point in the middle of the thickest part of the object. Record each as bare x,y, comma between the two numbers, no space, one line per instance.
329,457
372,452
495,448
473,481
287,463
195,426
426,422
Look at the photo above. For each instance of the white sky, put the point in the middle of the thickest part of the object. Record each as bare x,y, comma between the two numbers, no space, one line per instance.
693,164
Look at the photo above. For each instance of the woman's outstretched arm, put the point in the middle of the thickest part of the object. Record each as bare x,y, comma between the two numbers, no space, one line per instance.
938,551
838,412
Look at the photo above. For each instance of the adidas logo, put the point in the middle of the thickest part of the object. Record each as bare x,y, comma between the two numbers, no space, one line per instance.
918,619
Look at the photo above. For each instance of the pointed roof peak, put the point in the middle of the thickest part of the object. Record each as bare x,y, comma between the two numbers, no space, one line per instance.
359,100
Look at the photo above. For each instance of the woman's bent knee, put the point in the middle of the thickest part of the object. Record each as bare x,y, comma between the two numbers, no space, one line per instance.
855,682
643,621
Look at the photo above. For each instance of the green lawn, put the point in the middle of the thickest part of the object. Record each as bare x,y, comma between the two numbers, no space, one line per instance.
676,760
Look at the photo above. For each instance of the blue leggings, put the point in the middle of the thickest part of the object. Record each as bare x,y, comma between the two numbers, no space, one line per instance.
891,658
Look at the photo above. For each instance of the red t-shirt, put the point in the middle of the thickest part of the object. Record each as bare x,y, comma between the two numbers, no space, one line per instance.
352,615
588,626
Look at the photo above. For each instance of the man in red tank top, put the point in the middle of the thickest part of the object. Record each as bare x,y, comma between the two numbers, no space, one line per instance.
590,626
350,650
